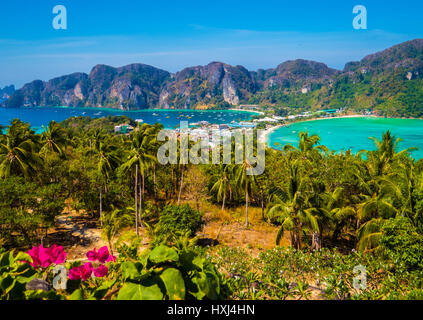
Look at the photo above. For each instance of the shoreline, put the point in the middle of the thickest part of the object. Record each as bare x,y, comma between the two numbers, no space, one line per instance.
268,132
265,136
246,110
140,110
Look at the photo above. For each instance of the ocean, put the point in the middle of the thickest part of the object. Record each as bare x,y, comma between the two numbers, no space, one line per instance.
41,116
341,134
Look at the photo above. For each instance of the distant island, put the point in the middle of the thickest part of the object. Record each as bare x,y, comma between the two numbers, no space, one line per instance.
6,92
388,83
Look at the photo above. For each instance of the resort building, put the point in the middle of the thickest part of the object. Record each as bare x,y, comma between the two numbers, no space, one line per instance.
124,129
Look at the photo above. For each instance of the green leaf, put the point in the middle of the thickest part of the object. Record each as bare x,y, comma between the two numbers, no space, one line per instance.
133,291
214,287
22,256
130,270
162,254
198,261
77,295
6,282
17,292
202,285
174,283
101,292
6,259
43,295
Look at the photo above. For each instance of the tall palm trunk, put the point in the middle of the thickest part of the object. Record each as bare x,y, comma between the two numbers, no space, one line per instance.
180,187
154,182
101,206
141,199
143,183
175,181
316,241
299,240
246,205
223,202
136,199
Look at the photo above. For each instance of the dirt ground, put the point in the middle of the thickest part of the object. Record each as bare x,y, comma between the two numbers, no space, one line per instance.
79,233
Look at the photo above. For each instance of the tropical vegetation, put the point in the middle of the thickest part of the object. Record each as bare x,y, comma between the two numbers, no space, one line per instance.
334,211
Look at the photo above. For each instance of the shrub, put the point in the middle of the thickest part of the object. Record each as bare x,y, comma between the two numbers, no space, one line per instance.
402,244
178,221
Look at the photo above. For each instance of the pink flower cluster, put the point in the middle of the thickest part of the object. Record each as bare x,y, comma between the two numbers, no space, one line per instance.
44,257
81,272
85,271
102,255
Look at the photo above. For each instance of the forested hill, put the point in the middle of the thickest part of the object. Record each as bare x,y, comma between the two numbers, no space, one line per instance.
389,82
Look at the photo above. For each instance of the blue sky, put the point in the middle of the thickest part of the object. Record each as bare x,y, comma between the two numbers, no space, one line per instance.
176,34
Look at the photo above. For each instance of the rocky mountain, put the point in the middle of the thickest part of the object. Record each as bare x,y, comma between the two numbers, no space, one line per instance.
389,81
297,72
135,86
213,85
6,92
407,56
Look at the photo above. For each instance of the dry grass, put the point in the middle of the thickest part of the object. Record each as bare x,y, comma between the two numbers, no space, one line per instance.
78,233
229,227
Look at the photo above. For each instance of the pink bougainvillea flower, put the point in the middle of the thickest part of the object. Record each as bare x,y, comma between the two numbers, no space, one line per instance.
111,259
44,257
58,254
33,253
103,254
101,271
81,272
92,255
44,254
75,273
87,270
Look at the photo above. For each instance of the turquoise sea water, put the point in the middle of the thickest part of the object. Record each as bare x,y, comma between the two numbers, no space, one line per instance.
38,116
353,133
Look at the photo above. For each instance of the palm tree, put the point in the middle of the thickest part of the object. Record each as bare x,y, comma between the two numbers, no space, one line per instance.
113,222
307,144
380,190
18,159
333,213
53,138
223,185
140,157
93,139
381,160
388,146
293,208
372,213
246,183
107,162
411,184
